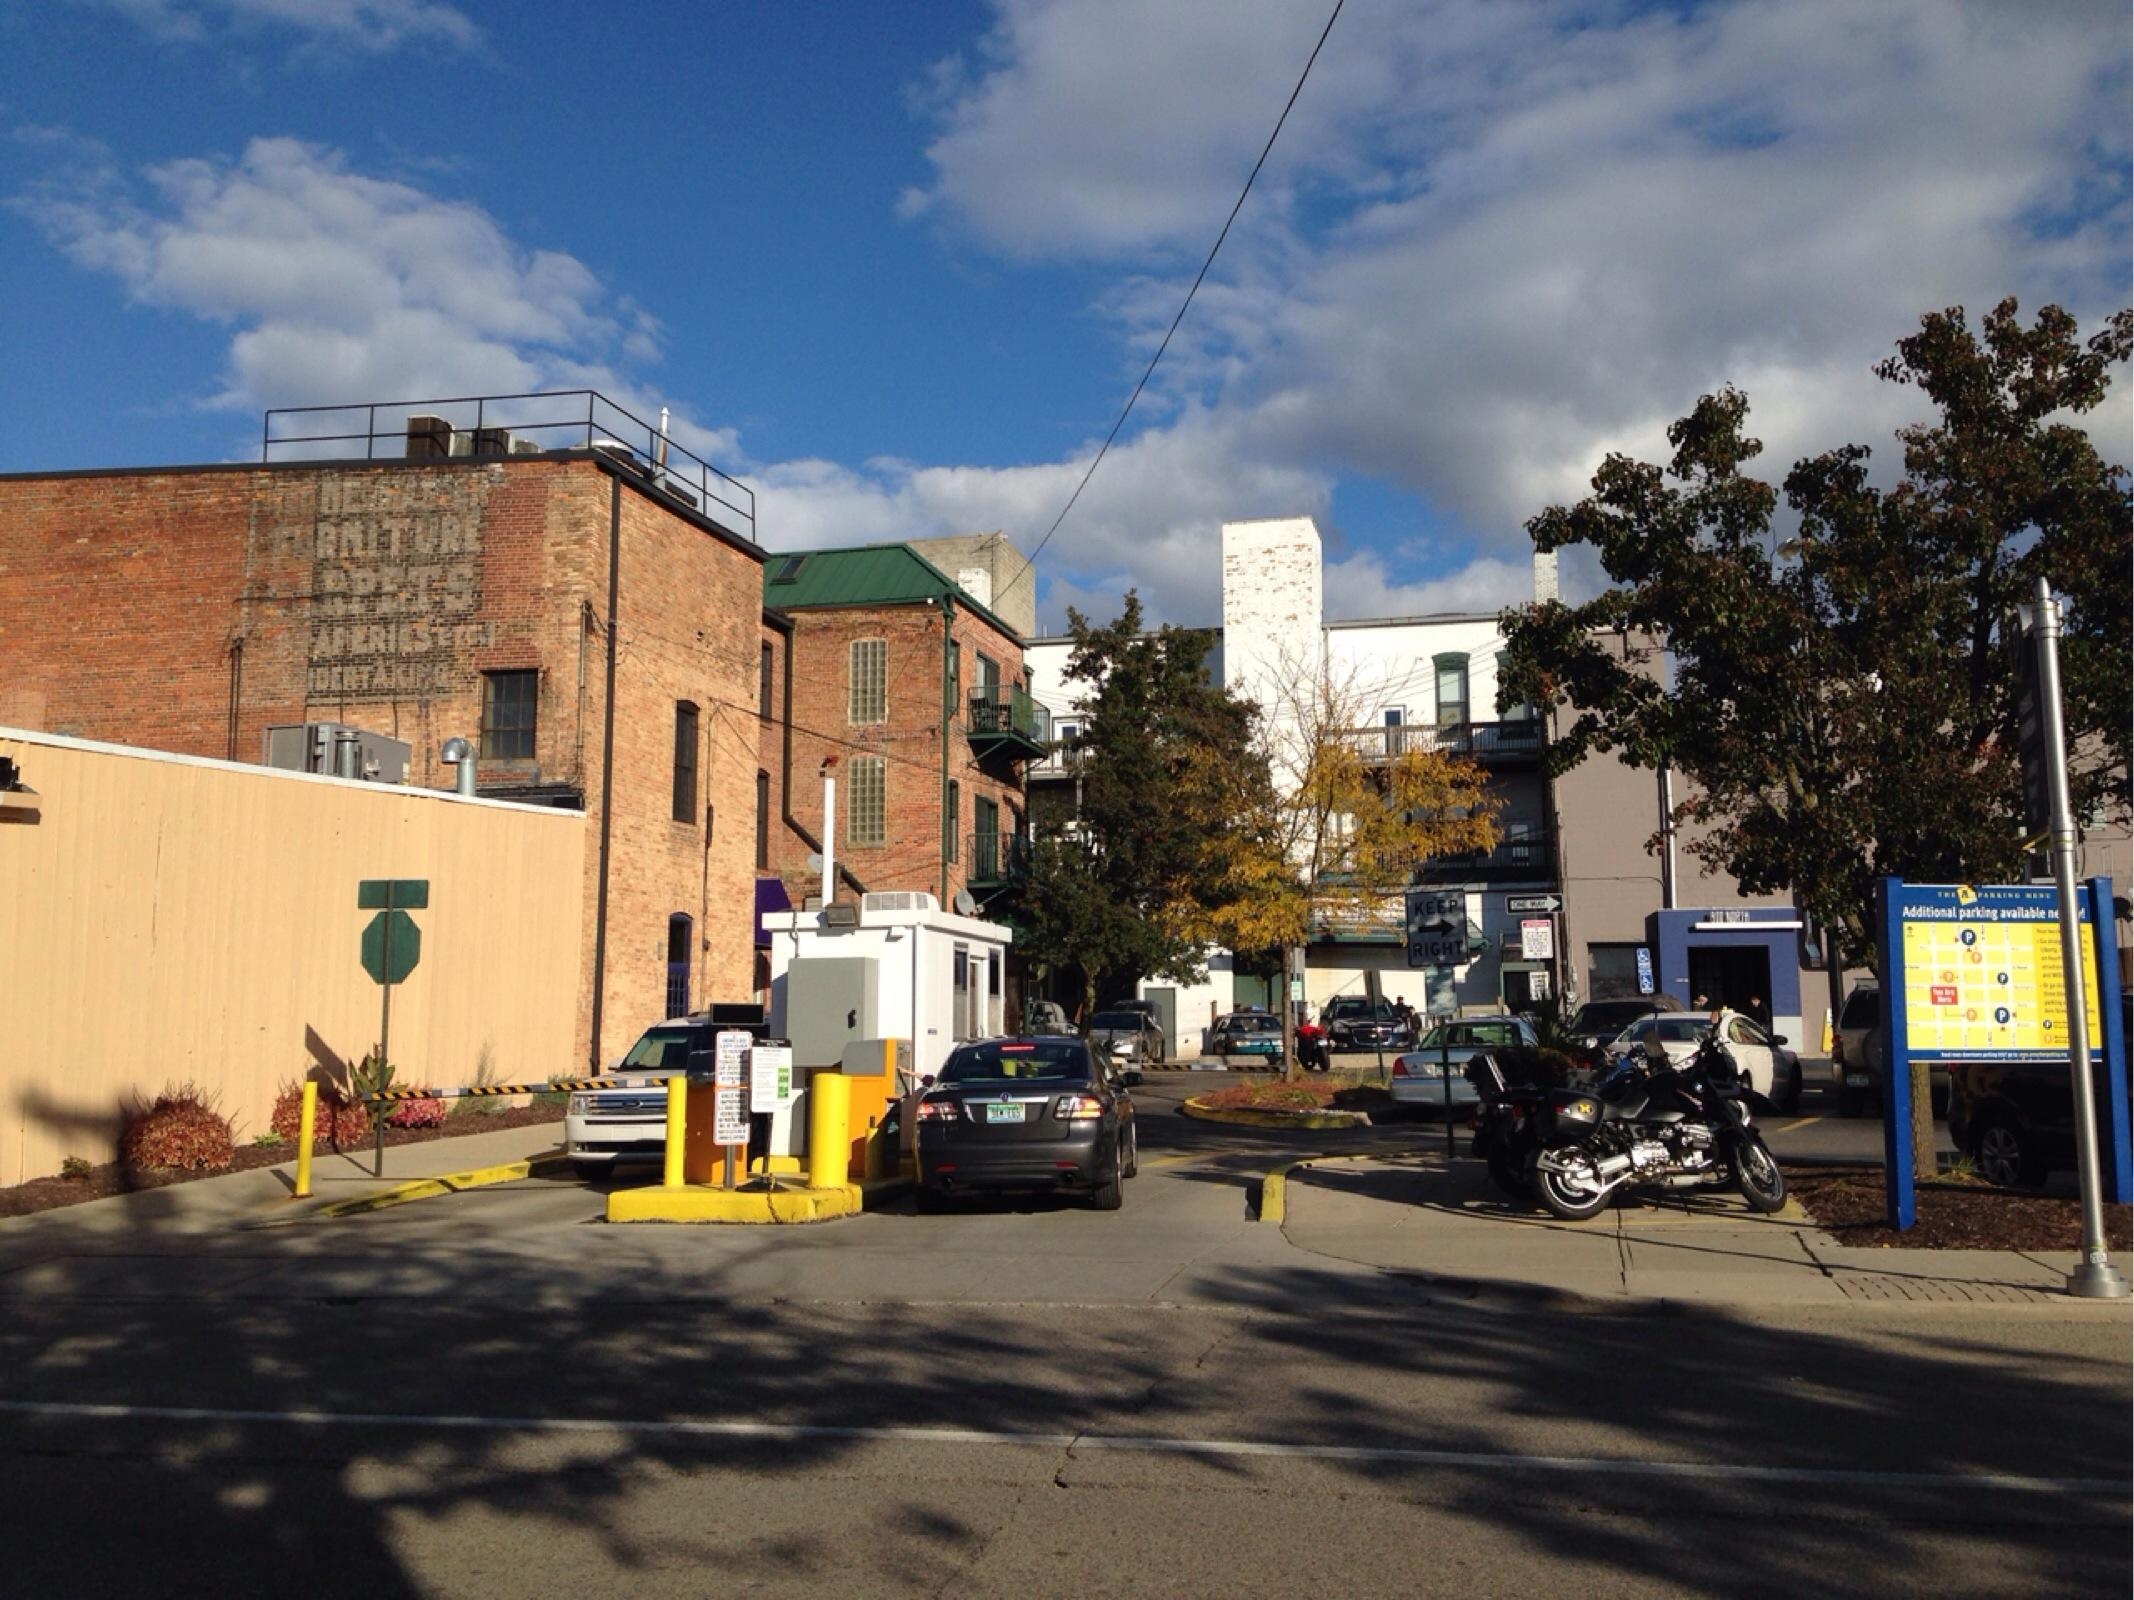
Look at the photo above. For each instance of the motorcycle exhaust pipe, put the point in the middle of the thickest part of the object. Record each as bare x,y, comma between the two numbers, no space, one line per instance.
1609,1168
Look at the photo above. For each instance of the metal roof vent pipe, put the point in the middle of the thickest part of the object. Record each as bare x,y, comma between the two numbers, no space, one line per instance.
458,752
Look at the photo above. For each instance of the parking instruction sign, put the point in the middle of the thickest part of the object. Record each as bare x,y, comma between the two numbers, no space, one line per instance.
1983,975
729,1107
770,1078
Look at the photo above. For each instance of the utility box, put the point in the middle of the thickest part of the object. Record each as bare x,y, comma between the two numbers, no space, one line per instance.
829,1001
337,749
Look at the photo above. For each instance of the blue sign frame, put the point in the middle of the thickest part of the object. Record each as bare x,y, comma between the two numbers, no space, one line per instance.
1897,903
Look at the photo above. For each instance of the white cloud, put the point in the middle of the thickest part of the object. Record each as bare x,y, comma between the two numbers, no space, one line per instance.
375,25
338,286
1498,240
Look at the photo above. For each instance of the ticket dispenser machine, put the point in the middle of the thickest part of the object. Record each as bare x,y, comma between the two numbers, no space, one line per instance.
880,1070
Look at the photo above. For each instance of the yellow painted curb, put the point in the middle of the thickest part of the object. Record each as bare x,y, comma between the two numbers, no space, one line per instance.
1250,1117
1274,1188
698,1203
430,1188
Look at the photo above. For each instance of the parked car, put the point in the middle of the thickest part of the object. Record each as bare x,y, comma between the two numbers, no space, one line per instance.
1041,1114
1598,1021
1247,1036
1420,1076
1128,1035
1857,1058
604,1126
2016,1120
1354,1022
1774,1071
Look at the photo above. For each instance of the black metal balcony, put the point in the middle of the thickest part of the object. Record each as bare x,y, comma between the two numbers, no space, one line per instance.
996,859
1507,743
1008,719
1522,860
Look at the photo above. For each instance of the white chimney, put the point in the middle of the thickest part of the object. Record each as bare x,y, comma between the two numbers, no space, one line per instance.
829,830
1544,576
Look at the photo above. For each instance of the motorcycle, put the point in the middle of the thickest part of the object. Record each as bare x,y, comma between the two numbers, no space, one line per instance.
1653,1123
1506,1118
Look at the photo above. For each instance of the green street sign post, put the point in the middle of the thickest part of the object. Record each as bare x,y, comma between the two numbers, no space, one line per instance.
390,948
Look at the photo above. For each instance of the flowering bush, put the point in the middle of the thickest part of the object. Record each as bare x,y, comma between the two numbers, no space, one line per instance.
339,1122
416,1114
180,1128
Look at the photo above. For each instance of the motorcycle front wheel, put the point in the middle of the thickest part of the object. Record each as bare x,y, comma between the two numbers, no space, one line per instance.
1571,1197
1757,1176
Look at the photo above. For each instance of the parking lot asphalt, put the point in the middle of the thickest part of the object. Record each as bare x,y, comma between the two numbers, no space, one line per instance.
494,1393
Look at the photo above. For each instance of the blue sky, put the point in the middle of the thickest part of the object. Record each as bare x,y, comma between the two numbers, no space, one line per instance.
897,265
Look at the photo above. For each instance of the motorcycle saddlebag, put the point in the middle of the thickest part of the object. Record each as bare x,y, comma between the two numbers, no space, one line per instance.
1487,1077
1569,1116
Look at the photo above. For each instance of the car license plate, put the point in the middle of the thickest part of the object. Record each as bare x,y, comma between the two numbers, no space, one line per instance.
1856,1080
1012,1111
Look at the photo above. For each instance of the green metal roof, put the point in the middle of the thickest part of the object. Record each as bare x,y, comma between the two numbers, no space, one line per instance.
862,575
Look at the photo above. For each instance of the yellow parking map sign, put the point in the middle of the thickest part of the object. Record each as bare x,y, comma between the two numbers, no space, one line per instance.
1983,978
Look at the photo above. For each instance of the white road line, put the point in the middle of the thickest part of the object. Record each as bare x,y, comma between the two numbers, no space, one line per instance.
663,1427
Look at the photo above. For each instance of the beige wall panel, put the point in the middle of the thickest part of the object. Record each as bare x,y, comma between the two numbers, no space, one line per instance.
167,918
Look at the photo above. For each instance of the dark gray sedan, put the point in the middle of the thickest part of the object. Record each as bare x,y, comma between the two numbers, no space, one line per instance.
1035,1114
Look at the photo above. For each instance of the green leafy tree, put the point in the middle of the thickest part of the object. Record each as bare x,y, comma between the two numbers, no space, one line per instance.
1120,890
1842,701
1329,827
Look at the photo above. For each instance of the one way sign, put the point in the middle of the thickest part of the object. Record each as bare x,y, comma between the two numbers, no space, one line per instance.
1437,928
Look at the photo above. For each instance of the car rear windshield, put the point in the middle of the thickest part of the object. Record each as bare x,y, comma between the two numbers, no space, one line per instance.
1863,1009
1250,1025
1682,1030
663,1050
1118,1019
998,1060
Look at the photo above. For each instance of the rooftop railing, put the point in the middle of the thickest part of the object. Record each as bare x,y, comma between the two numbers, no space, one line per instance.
1481,740
500,426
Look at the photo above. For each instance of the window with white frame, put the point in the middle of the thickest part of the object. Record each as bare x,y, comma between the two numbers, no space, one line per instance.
868,680
867,806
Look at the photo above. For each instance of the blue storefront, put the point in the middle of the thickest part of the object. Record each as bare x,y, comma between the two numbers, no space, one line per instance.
1747,957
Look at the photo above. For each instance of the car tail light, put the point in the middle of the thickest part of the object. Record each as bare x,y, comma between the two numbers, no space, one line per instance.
1077,1107
937,1111
1400,1067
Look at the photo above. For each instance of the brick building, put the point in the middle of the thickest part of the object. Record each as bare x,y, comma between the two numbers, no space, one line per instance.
874,656
574,612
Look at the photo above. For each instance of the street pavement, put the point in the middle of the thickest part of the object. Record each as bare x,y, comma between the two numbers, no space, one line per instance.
1403,1387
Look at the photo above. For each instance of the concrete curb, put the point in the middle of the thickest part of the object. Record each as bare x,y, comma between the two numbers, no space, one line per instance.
696,1203
430,1188
1250,1117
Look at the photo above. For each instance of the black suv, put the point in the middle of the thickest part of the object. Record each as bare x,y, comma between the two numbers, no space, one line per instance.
1352,1022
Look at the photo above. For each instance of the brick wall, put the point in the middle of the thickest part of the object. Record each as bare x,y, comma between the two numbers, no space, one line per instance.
909,741
190,610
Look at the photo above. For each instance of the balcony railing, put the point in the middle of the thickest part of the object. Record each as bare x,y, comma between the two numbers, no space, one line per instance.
505,425
1010,717
996,858
1484,741
1513,859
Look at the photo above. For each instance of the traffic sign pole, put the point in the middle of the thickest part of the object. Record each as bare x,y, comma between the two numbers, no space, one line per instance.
385,1041
2094,1278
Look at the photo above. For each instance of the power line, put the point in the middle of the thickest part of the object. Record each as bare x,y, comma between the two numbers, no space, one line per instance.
1104,449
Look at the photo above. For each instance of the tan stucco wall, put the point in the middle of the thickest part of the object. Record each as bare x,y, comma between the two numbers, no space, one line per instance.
169,918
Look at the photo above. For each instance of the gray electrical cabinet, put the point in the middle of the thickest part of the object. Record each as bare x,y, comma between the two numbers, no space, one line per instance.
829,1001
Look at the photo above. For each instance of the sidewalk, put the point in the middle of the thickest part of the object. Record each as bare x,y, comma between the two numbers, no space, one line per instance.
265,1195
1412,1214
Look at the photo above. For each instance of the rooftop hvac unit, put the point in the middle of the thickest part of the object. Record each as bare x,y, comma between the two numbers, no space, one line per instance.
492,442
338,749
525,447
898,900
429,438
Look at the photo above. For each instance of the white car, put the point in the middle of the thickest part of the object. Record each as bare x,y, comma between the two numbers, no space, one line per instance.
1774,1072
1433,1075
604,1126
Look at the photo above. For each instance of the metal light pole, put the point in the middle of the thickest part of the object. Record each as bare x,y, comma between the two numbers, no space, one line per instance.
2095,1278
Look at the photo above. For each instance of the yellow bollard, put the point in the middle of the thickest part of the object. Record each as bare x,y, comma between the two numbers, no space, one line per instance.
677,1128
829,1130
307,1121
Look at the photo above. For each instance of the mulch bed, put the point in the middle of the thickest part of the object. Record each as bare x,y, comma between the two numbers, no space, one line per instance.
100,1183
1953,1213
1305,1096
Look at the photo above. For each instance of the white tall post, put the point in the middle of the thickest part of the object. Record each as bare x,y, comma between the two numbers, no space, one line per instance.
2094,1276
829,832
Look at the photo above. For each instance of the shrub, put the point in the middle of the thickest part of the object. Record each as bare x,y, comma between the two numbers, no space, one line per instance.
340,1122
416,1114
267,1141
554,1099
74,1167
179,1129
